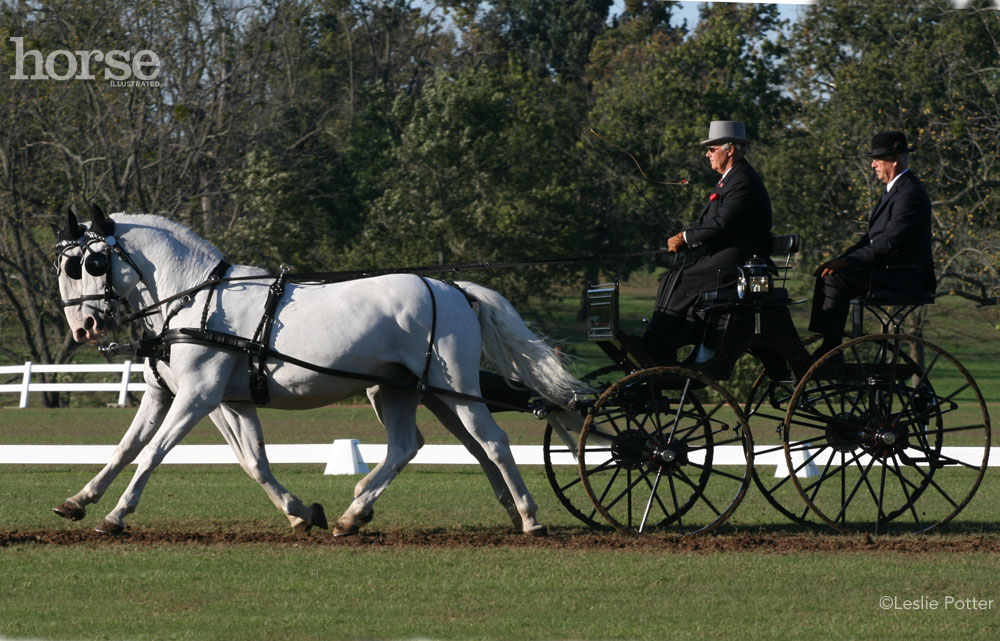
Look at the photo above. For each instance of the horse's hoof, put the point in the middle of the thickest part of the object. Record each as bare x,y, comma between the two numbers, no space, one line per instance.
538,530
109,527
318,517
70,510
350,531
346,527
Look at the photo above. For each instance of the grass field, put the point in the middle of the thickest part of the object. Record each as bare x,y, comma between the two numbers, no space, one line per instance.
440,559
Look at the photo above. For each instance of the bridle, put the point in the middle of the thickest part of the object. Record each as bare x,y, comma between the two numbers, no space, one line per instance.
96,264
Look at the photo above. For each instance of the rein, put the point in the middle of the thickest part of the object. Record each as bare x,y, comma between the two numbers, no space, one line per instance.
321,278
257,348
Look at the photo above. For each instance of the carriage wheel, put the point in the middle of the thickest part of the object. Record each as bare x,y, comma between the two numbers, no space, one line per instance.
885,433
665,449
564,478
765,411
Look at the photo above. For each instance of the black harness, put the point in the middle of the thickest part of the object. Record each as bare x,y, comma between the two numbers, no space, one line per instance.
96,264
257,349
157,348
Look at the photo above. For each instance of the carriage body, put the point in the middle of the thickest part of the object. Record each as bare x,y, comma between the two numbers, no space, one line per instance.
857,437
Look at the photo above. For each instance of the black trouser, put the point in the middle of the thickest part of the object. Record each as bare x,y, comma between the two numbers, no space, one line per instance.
665,333
831,303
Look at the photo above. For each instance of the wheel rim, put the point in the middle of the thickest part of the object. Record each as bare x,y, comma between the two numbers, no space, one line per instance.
649,456
881,431
565,479
566,482
765,411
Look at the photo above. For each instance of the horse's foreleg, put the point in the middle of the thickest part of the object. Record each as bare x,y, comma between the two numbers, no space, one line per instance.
184,413
152,408
242,430
397,410
493,440
452,423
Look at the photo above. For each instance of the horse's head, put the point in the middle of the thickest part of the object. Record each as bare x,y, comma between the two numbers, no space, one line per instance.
95,275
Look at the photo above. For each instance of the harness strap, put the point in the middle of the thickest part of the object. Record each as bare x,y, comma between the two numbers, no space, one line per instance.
151,363
258,375
233,343
430,342
218,272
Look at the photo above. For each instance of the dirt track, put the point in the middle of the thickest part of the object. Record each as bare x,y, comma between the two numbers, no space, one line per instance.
767,543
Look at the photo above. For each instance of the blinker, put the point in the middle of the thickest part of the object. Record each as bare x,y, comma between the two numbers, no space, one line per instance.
95,264
73,268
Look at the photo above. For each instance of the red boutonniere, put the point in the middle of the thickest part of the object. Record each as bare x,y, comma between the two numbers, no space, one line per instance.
713,196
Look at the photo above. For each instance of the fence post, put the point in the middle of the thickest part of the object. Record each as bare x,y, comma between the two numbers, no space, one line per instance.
25,385
126,374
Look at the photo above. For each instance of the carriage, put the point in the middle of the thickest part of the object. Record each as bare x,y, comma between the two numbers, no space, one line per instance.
887,431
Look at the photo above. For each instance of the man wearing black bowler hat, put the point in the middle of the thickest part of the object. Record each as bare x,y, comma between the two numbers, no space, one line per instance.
735,225
899,234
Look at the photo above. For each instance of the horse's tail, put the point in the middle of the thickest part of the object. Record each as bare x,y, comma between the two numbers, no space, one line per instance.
516,351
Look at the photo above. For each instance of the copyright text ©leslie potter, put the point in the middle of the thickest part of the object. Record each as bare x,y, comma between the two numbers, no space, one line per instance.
924,602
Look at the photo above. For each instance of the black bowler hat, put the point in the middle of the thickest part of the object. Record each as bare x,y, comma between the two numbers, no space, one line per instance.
889,143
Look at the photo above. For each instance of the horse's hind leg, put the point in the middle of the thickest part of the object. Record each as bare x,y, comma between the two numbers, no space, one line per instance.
241,428
484,429
375,398
397,410
454,425
152,408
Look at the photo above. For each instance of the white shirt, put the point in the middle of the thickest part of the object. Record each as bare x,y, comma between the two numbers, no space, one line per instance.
893,181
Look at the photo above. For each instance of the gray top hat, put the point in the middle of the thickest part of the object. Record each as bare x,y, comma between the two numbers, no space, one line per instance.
725,131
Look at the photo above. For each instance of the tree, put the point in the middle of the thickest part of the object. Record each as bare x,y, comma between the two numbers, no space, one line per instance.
549,37
656,88
930,70
482,174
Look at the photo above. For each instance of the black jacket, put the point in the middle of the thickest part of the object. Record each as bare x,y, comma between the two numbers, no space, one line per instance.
899,233
734,226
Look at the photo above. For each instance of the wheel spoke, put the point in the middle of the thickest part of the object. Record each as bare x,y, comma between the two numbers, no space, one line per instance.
649,503
698,493
716,471
842,515
903,482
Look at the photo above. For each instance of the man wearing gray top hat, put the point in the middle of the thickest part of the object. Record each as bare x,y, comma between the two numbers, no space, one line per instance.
734,226
894,256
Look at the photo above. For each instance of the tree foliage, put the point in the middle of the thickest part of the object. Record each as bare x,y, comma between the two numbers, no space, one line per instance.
380,133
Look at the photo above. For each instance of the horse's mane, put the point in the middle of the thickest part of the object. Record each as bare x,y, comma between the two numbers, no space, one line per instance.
182,233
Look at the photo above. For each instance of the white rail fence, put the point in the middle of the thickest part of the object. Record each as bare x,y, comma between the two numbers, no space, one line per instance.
349,456
343,456
29,370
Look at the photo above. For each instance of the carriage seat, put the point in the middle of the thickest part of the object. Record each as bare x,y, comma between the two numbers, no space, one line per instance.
786,245
884,295
889,306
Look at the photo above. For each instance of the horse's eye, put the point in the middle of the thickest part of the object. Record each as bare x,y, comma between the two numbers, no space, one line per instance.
73,268
96,264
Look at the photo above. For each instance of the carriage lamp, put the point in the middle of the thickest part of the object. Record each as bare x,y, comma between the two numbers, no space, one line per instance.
754,278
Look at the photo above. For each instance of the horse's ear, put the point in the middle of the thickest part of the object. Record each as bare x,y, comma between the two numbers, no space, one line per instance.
72,231
103,226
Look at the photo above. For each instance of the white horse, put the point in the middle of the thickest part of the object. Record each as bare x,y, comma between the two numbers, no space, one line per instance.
400,328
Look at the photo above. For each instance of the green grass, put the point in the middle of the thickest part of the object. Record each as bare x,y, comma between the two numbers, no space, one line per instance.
257,592
283,590
331,591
